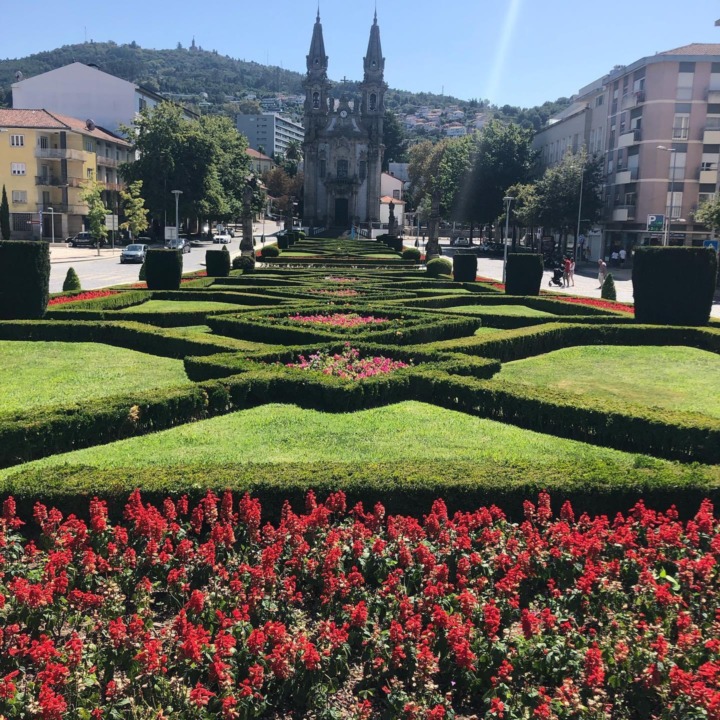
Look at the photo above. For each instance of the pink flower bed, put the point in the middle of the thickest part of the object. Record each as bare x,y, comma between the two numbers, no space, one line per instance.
341,279
335,293
342,320
348,365
207,613
90,295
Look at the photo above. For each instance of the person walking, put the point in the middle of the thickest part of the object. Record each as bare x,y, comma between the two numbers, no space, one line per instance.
571,274
566,271
602,271
623,255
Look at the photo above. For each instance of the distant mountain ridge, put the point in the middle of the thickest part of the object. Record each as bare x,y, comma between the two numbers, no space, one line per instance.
219,79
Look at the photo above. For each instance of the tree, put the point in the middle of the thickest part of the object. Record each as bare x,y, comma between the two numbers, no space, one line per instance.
394,139
708,214
134,208
525,210
92,196
4,216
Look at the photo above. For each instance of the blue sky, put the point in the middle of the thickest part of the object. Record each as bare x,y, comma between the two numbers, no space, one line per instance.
520,52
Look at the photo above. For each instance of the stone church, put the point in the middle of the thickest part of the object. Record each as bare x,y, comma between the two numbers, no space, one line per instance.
343,140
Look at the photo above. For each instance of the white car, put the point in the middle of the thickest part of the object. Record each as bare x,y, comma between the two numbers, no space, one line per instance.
223,238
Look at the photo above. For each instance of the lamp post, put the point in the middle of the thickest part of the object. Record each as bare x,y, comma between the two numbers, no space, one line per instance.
508,200
577,232
666,234
177,194
52,224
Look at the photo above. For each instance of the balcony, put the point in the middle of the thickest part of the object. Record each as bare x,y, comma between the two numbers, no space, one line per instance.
622,177
58,154
106,161
623,213
63,209
713,95
629,138
708,175
632,100
49,181
711,137
113,187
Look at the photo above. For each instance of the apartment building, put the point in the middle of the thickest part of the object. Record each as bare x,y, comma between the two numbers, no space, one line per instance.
270,133
656,125
45,160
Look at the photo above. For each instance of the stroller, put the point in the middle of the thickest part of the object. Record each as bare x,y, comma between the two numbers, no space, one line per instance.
557,278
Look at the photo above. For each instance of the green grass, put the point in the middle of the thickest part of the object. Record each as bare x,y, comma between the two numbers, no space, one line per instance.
175,306
675,378
510,310
33,374
191,330
278,434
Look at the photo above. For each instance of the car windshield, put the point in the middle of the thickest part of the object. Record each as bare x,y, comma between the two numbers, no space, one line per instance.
134,248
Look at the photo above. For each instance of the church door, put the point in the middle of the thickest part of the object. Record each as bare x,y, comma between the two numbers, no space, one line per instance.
342,216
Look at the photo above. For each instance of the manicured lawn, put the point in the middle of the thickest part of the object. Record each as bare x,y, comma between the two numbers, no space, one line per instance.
33,374
155,306
511,310
675,378
408,431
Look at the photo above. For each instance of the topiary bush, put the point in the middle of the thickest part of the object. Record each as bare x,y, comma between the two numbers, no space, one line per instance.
141,274
270,251
413,254
24,279
674,285
163,269
72,281
523,274
607,292
464,267
217,263
439,266
246,263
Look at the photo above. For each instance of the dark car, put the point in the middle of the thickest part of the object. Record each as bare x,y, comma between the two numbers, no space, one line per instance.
85,239
179,244
133,253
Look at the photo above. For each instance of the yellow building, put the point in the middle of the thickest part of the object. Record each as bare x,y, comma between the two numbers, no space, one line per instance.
45,160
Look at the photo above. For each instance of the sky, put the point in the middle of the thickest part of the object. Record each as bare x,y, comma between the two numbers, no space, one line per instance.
516,52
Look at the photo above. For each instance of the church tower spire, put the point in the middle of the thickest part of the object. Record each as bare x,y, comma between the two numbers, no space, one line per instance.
374,62
317,61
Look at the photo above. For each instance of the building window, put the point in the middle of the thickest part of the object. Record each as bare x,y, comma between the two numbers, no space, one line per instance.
316,101
685,85
322,168
342,169
705,197
89,145
90,173
396,194
676,198
142,104
43,142
17,168
21,221
681,127
19,197
599,100
17,141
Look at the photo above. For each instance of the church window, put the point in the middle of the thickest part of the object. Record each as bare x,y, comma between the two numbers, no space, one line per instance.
316,100
373,101
363,169
322,168
342,169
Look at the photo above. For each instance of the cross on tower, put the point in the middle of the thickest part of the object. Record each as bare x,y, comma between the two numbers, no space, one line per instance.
344,81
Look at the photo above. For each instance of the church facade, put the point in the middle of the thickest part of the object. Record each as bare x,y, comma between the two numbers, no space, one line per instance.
343,148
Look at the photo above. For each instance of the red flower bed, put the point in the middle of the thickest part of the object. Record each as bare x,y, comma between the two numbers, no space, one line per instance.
205,612
602,304
341,320
90,295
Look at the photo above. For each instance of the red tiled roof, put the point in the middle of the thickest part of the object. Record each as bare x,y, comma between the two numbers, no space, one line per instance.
695,49
257,155
81,127
386,200
29,119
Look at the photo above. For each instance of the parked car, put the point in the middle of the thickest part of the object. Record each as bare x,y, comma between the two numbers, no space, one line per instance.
224,238
134,253
85,239
179,244
460,242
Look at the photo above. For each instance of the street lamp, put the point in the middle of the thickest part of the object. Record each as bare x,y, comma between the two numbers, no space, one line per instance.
52,224
177,194
666,235
507,200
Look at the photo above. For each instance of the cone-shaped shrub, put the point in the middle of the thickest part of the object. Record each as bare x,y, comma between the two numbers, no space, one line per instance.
24,279
674,285
72,281
523,274
217,263
607,292
465,267
163,269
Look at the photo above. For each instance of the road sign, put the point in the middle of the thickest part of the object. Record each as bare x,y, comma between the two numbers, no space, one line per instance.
714,244
655,223
111,222
170,233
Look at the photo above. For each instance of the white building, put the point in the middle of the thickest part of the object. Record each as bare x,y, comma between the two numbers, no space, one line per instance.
270,133
84,91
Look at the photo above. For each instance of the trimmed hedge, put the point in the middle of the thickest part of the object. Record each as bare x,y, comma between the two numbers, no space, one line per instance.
411,253
24,279
163,269
523,274
405,488
437,267
270,251
464,267
674,285
217,262
71,282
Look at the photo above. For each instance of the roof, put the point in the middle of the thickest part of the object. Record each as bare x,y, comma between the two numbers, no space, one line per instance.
695,49
386,200
257,155
45,120
41,119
